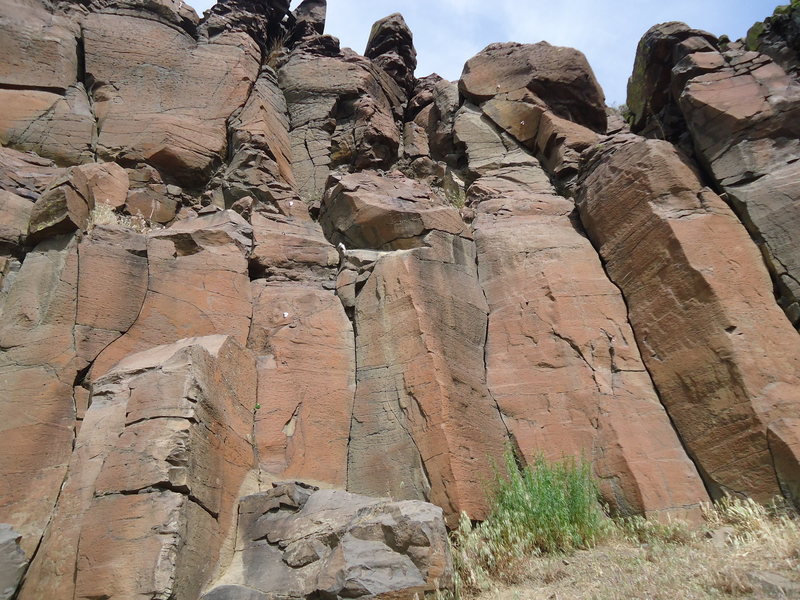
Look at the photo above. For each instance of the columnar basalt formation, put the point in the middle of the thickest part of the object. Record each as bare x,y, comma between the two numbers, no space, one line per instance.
722,354
248,275
739,113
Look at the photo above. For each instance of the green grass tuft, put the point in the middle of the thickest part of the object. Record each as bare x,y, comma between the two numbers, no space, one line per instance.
543,508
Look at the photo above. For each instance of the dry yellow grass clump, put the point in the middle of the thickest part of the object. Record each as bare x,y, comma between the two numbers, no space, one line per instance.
742,550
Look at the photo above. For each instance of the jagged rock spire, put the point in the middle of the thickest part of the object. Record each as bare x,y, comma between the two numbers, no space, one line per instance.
391,46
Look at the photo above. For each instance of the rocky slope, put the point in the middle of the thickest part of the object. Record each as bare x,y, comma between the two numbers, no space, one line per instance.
271,309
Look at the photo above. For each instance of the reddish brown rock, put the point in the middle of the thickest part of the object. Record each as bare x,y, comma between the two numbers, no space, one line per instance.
69,200
299,542
261,165
752,150
738,112
306,373
168,102
290,247
37,373
365,210
343,111
52,125
197,285
561,360
39,48
112,283
560,77
15,213
724,358
165,446
424,426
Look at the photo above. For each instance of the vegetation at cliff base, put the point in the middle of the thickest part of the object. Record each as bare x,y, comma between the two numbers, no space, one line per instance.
547,537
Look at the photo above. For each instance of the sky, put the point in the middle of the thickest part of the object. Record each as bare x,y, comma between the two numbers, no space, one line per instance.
449,32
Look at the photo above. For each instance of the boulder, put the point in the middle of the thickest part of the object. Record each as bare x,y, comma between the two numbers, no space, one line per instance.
68,202
164,448
722,355
296,541
309,19
559,77
306,372
366,210
391,47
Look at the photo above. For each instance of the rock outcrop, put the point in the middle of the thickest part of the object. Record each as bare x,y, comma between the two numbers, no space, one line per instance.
270,310
723,356
296,541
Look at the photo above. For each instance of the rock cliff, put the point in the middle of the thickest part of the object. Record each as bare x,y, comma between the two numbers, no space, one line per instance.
270,310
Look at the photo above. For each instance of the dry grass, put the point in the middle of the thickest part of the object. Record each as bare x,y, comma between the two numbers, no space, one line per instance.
104,214
742,550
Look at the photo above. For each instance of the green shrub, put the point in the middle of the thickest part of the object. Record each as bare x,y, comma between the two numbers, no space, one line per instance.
543,508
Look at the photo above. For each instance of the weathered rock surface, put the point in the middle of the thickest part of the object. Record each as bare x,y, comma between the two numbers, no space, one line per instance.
741,112
306,374
779,37
365,210
233,253
296,541
165,447
197,285
421,394
560,77
391,47
723,356
343,111
168,103
37,373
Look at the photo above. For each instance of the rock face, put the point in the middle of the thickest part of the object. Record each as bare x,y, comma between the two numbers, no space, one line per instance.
235,255
296,541
165,445
738,112
676,249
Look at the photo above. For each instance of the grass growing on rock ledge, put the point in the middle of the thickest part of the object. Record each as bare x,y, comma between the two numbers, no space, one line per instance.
547,538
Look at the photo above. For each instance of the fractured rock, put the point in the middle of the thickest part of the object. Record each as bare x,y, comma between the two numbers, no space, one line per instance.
154,479
306,371
724,358
198,285
168,103
365,210
560,77
391,47
424,425
296,541
37,373
343,109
